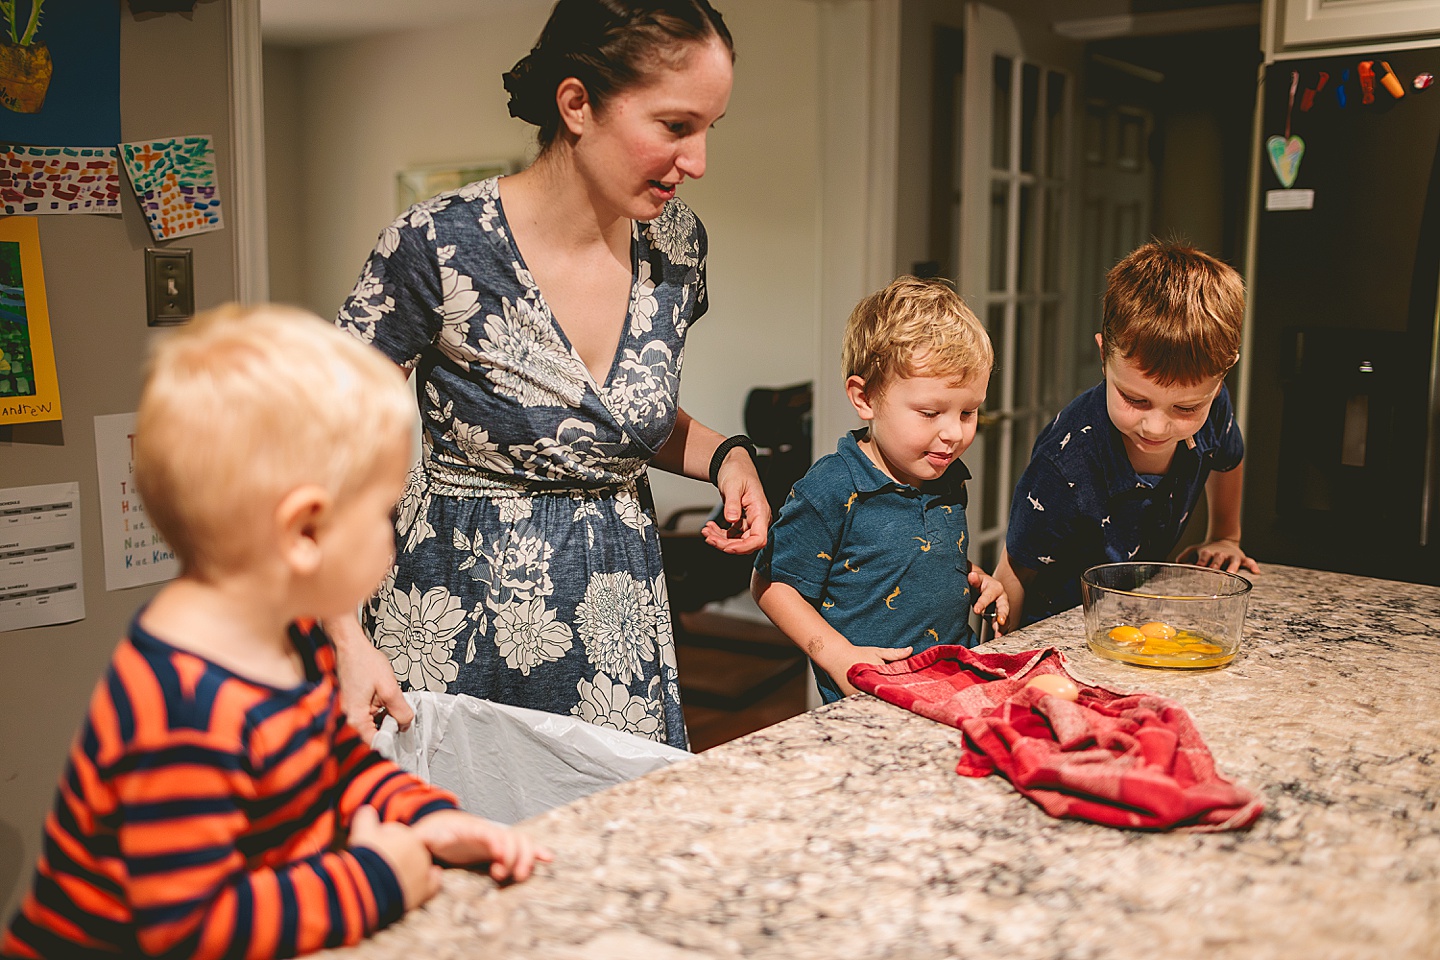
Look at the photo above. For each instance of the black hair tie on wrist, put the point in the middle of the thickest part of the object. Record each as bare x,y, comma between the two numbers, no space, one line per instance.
726,445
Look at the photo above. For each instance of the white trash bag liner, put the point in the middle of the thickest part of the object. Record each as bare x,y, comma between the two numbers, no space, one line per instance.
509,763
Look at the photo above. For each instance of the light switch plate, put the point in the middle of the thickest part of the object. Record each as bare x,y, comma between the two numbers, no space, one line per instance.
169,286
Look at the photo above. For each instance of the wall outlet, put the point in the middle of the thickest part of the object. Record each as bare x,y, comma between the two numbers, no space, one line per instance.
169,286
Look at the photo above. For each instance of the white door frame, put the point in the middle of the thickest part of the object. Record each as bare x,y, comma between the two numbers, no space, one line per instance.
1018,403
246,203
859,176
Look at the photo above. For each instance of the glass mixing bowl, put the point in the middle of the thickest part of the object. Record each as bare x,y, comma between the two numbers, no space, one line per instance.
1164,614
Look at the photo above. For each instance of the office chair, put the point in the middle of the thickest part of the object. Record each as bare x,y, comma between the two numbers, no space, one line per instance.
778,420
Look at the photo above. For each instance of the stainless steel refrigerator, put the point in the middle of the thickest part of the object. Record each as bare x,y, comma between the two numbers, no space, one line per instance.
1342,466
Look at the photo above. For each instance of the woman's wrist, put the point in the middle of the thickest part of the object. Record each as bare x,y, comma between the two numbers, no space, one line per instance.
344,632
726,447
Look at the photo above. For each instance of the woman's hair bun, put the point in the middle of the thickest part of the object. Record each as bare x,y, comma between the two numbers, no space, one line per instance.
608,45
531,99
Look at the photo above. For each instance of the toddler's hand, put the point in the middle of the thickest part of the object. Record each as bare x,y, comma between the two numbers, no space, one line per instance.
460,838
1221,555
988,590
403,850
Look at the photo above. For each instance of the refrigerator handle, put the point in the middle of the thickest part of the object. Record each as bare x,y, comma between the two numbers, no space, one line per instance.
1428,495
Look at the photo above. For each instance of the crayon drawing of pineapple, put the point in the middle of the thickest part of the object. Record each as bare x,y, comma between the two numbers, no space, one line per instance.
25,65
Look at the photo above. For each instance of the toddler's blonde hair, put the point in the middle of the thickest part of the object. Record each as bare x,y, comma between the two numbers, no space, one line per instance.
913,328
1174,312
245,404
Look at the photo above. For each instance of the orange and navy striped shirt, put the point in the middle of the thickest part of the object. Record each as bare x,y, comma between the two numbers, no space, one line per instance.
203,814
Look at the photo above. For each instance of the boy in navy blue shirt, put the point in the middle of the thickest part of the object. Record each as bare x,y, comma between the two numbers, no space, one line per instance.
1116,475
866,562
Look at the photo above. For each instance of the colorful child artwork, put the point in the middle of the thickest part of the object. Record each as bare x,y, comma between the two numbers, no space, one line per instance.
60,72
29,390
175,183
59,180
135,553
1285,154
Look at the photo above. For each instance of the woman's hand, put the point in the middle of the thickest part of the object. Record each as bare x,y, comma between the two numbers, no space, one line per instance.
368,689
746,509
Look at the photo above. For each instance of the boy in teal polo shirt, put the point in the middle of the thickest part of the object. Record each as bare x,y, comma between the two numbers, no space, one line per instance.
867,561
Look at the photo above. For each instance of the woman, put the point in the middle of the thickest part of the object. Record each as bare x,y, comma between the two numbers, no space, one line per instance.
545,315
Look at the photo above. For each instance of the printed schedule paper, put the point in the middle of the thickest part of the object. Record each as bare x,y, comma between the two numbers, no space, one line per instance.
135,553
41,576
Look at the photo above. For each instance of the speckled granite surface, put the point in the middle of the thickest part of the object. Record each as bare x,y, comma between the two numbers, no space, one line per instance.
846,832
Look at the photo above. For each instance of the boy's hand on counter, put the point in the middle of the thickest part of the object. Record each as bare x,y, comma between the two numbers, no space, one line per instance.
858,654
403,850
460,838
987,590
1223,554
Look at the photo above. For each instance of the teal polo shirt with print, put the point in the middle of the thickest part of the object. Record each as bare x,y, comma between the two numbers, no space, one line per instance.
884,563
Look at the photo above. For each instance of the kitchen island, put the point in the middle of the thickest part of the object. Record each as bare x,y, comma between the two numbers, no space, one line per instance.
846,833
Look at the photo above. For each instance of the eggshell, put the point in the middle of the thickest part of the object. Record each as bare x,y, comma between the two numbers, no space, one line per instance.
1055,685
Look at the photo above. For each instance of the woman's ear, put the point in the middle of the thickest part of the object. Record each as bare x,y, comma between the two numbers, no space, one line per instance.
860,398
573,102
299,518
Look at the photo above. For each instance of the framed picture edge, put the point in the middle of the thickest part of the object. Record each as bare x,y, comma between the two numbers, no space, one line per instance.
423,181
44,403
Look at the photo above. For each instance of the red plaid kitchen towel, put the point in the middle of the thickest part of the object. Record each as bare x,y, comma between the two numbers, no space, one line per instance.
1121,760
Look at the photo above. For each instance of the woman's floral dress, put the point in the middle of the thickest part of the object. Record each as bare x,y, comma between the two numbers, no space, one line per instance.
527,555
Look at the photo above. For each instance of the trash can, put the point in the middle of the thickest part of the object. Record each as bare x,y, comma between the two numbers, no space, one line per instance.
509,763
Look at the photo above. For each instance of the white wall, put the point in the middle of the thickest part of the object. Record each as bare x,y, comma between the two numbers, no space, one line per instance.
284,165
348,116
371,107
760,201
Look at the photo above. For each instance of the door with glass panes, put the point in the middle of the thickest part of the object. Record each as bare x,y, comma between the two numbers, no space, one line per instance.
1015,259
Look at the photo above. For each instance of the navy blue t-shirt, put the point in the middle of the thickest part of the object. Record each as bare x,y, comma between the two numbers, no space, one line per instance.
885,563
1080,503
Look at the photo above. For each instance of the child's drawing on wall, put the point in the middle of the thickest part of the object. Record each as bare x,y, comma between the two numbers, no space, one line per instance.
174,181
16,377
25,64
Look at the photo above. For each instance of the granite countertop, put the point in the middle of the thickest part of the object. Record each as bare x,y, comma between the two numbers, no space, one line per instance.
846,832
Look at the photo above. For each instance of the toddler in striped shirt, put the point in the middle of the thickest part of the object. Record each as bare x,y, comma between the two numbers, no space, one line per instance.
215,801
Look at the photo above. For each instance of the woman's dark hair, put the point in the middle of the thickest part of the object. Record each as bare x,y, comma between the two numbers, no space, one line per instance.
608,45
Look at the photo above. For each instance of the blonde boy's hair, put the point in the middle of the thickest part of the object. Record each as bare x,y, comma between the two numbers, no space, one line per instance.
913,328
245,404
1174,312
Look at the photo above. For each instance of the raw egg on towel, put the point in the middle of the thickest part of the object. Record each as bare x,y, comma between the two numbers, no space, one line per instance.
1055,685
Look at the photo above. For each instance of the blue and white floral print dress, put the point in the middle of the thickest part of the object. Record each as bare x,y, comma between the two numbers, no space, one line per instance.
527,555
